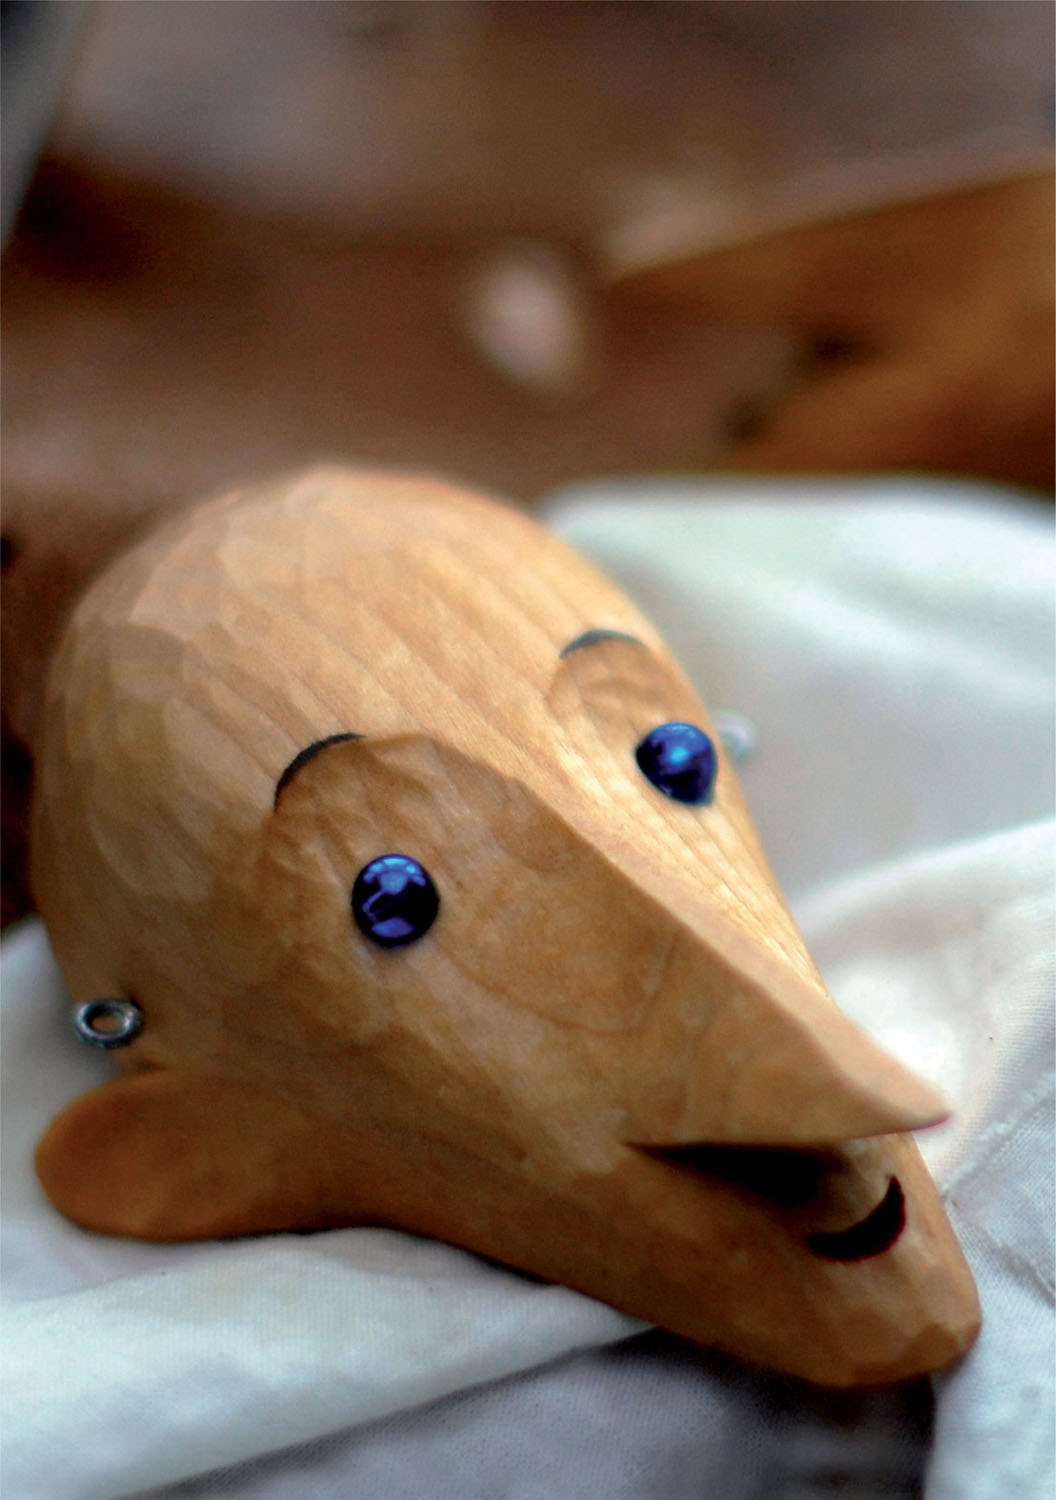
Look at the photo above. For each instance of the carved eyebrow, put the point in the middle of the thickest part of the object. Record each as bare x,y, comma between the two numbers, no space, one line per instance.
304,756
592,637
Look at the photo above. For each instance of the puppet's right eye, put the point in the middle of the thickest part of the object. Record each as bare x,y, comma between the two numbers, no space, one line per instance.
679,759
394,900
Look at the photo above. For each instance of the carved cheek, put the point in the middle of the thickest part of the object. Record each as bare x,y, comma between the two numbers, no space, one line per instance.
323,977
562,942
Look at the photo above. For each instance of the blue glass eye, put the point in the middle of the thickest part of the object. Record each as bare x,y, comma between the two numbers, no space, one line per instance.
679,759
394,900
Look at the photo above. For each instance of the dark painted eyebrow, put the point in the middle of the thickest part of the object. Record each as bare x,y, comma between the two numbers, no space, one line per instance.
592,637
304,756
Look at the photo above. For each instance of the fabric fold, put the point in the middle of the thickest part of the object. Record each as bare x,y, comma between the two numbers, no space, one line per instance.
892,645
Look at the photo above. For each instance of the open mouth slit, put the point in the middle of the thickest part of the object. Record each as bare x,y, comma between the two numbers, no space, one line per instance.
789,1179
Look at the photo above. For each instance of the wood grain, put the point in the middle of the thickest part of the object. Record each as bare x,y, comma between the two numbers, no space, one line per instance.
610,1062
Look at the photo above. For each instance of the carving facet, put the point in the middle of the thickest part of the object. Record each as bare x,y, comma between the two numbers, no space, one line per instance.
601,1054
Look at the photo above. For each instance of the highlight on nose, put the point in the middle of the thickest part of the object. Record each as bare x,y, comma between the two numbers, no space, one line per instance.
788,1070
679,759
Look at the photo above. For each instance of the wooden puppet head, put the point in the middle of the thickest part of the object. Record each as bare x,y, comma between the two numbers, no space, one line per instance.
441,906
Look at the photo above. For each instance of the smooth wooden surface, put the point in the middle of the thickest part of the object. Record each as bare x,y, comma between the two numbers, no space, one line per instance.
612,973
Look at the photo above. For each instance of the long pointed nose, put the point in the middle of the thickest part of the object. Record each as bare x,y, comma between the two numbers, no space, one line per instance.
737,1040
762,1055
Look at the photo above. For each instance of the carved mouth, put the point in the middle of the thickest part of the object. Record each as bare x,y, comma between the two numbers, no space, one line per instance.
790,1180
872,1235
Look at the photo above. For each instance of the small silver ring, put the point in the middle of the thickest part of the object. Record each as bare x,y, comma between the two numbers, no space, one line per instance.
125,1022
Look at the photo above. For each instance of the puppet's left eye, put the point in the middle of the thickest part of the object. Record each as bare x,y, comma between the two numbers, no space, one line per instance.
394,900
679,759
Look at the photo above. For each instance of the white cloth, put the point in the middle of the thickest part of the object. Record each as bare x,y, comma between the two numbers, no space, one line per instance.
892,644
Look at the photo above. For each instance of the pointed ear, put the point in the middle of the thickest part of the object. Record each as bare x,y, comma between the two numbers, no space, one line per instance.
172,1155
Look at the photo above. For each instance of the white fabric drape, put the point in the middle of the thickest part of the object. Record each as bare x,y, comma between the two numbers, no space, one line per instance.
892,643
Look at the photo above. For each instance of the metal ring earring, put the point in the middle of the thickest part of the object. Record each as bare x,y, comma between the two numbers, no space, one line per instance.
108,1023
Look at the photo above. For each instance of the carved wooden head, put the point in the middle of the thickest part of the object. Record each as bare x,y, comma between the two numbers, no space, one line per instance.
439,899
